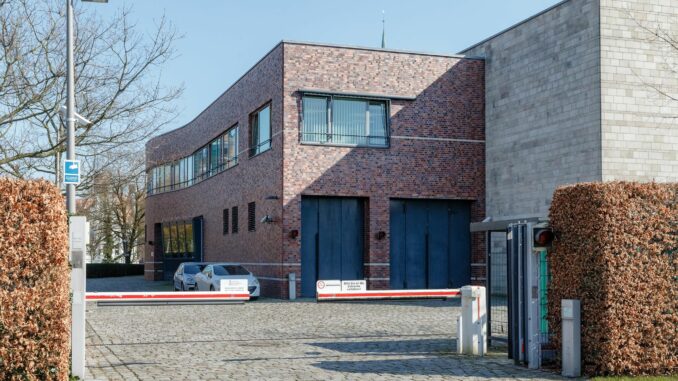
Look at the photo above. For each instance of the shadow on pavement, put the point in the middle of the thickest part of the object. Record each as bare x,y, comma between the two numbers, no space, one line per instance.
459,366
413,347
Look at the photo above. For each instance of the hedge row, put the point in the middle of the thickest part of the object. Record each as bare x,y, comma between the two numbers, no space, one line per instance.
105,270
34,282
616,249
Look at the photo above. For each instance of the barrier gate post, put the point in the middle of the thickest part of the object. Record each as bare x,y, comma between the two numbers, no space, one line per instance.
472,323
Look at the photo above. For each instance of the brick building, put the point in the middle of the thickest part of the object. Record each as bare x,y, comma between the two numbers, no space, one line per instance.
328,162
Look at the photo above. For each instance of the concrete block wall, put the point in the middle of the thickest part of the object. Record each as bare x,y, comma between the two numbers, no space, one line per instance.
542,108
639,122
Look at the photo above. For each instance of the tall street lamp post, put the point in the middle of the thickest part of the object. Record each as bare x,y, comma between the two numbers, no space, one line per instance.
77,259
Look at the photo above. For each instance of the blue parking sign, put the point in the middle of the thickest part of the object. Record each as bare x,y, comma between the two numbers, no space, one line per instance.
71,171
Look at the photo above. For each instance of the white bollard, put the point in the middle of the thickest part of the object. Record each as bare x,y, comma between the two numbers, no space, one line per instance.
293,286
472,324
570,311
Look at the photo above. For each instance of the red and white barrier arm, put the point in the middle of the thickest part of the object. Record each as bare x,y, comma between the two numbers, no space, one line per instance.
388,294
165,296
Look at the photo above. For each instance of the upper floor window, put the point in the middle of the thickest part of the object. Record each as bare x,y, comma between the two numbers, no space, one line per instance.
230,147
215,156
260,131
341,120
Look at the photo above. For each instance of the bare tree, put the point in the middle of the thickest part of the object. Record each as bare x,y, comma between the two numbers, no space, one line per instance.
118,87
115,206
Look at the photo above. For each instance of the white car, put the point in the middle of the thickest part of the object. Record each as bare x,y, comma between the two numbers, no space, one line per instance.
184,277
210,277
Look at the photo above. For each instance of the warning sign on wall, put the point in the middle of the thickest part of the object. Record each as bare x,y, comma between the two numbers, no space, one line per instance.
353,285
325,286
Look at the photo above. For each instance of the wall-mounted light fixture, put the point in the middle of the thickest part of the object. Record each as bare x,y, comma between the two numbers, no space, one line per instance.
380,235
272,197
267,219
293,234
150,243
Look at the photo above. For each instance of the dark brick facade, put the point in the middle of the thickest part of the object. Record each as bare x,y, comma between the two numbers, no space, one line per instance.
436,151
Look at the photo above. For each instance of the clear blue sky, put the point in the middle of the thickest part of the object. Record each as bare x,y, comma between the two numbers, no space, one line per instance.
224,38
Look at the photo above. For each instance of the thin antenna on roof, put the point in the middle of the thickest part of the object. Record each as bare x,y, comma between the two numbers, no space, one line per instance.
383,29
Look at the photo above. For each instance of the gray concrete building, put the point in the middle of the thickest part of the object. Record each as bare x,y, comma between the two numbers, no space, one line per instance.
583,91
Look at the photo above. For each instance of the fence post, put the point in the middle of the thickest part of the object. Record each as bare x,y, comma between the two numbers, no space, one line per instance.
472,330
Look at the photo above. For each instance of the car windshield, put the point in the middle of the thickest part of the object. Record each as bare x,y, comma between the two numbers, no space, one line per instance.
236,270
219,270
193,269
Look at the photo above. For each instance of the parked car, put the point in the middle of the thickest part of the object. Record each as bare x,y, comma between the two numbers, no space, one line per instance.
184,277
210,277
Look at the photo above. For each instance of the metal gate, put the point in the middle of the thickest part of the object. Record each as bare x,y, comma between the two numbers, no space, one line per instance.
497,287
332,240
430,244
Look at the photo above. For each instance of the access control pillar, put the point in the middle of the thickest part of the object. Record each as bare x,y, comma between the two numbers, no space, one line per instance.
472,323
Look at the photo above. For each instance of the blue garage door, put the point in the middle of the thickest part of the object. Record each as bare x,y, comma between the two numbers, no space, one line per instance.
332,240
430,244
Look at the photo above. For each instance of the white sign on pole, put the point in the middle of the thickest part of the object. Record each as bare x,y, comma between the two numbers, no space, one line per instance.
354,285
71,172
325,286
235,286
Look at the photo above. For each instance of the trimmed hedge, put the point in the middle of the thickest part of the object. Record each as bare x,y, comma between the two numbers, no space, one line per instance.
105,270
34,282
616,249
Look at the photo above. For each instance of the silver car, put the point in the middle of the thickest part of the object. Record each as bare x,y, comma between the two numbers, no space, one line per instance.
210,277
184,277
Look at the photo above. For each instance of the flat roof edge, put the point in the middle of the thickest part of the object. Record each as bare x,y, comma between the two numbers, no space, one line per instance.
385,50
519,23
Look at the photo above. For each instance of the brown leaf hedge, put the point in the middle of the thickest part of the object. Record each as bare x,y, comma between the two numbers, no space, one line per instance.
616,249
34,282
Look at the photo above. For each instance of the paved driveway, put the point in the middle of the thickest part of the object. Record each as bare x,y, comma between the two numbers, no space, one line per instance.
274,340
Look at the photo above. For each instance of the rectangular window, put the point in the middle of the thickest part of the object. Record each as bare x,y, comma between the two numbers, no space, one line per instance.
176,176
182,174
167,182
344,121
260,131
234,219
174,247
181,238
215,156
230,147
251,216
225,222
189,170
315,119
166,238
189,236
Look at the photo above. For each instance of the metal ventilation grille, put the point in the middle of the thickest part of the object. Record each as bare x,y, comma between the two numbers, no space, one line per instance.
251,217
234,219
225,222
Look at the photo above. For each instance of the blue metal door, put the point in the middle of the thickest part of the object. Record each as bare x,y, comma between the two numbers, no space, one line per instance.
332,240
430,244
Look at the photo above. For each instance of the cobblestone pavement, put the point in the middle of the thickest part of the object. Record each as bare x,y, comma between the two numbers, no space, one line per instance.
275,340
